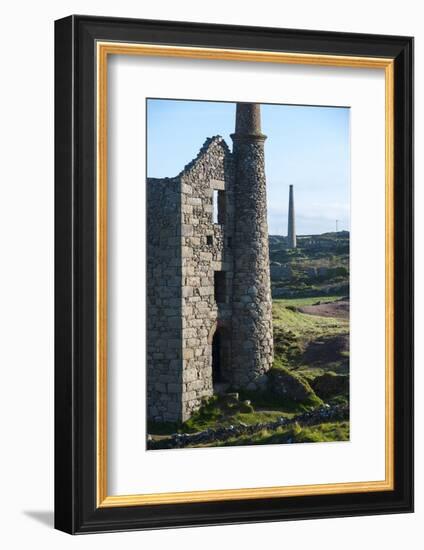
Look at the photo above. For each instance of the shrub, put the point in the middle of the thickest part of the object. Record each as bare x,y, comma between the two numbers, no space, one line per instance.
289,385
330,384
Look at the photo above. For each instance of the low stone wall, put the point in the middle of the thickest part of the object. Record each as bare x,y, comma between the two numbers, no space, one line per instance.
323,414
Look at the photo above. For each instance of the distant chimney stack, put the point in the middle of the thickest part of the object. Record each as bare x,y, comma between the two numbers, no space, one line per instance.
291,233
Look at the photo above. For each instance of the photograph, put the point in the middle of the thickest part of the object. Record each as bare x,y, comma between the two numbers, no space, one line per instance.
248,271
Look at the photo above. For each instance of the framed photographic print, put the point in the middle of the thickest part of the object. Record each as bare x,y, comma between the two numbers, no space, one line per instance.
233,274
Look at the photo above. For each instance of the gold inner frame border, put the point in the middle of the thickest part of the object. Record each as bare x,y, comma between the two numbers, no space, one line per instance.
103,50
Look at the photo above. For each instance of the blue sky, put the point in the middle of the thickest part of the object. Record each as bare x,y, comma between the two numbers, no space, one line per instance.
307,146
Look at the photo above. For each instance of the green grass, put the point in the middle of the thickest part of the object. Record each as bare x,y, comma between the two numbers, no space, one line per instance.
306,327
259,416
309,372
325,432
285,407
200,422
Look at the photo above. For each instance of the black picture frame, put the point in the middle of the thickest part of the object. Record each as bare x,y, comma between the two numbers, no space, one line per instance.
76,510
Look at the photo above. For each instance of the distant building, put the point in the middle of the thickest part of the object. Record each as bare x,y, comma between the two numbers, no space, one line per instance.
209,317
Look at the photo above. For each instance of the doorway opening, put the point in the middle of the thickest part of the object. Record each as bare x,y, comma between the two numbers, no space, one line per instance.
216,358
220,286
220,359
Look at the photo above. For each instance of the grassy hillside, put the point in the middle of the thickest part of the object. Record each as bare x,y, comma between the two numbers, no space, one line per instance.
310,344
319,266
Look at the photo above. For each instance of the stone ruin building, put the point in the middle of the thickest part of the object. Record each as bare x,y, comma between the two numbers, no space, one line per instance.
209,308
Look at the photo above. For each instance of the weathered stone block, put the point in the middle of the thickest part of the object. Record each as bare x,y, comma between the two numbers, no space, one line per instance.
186,230
188,353
187,189
206,290
206,256
194,201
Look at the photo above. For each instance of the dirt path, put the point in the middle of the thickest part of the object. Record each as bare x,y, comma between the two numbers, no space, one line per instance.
339,309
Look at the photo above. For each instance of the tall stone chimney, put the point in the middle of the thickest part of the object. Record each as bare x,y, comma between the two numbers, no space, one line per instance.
252,341
291,232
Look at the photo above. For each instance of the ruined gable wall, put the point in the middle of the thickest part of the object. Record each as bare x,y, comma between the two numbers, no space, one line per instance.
211,169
